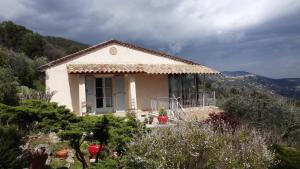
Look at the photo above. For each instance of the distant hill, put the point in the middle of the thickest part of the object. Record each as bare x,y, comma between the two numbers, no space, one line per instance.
236,73
20,39
58,47
288,87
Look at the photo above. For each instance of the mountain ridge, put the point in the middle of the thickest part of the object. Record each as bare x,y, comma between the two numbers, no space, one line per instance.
287,87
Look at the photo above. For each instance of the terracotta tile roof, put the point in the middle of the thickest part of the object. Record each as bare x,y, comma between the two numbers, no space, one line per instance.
118,42
139,68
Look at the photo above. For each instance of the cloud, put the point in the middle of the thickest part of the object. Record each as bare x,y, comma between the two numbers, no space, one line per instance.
224,34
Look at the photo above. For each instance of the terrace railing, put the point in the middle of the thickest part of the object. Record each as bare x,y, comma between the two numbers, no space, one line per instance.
175,106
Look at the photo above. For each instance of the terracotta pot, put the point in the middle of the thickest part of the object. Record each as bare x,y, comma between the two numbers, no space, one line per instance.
62,154
95,148
163,119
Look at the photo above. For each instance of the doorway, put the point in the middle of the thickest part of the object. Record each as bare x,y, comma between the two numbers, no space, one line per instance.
104,98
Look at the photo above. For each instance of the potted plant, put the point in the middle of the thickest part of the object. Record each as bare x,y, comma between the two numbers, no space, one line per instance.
94,149
62,154
162,117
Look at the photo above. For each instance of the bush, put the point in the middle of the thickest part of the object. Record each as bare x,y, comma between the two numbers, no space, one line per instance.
199,146
10,142
107,163
114,132
265,112
37,116
222,120
288,157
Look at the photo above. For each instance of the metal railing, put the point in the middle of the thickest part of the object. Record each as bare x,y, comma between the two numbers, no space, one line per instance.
199,99
175,106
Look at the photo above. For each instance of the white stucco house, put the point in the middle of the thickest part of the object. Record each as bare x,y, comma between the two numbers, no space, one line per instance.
115,76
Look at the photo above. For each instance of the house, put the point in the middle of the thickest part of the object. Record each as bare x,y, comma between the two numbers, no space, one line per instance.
116,76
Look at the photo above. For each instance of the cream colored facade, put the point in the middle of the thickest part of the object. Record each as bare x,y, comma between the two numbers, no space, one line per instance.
139,88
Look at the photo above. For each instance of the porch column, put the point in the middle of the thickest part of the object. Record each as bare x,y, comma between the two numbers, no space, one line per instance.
132,96
82,95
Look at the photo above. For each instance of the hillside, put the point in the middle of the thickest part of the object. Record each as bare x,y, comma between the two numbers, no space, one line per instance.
22,51
57,47
288,87
20,39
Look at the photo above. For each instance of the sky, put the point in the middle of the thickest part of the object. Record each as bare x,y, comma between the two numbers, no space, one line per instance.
258,36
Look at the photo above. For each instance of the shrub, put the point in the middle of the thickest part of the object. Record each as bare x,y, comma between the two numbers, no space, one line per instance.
37,116
223,120
199,146
265,112
108,163
10,142
114,132
288,157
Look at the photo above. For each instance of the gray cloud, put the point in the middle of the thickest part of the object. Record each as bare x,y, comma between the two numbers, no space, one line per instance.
262,37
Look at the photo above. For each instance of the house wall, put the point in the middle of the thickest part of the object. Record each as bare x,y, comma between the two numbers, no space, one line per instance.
149,86
67,85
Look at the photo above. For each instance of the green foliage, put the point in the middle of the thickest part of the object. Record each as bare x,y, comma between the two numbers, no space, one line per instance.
162,112
32,45
3,56
37,116
20,39
108,163
22,68
11,35
10,142
8,87
198,146
101,129
22,52
263,111
114,132
288,157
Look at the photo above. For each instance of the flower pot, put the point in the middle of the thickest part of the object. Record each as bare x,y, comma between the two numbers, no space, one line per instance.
162,119
62,154
95,148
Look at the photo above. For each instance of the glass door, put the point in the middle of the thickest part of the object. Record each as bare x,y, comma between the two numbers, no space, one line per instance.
104,101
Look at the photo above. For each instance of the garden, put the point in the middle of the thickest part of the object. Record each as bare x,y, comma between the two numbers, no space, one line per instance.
37,134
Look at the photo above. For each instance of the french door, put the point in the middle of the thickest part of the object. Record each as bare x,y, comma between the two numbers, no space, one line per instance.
104,101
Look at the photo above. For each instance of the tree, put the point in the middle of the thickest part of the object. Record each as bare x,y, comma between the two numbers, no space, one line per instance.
76,137
8,87
101,133
11,35
32,45
22,67
3,56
